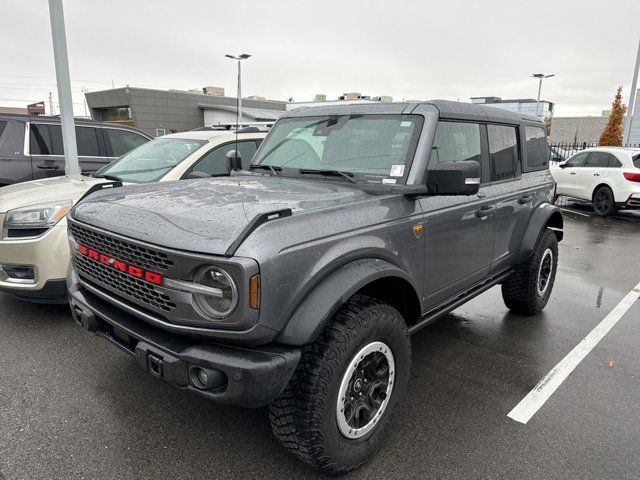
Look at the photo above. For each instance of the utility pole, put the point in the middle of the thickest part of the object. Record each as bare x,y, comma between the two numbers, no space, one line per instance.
239,58
56,14
51,111
540,76
632,100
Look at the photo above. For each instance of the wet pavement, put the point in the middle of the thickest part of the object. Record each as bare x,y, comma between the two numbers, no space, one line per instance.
72,406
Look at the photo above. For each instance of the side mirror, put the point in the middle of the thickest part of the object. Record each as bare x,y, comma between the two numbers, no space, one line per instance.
234,160
454,178
563,165
197,174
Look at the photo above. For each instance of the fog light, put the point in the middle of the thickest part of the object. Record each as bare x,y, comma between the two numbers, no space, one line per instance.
23,274
203,378
207,378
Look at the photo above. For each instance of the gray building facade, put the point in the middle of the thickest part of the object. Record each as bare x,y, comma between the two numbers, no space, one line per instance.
159,112
577,129
526,106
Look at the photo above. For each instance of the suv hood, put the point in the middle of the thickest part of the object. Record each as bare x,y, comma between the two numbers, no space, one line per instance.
205,215
47,190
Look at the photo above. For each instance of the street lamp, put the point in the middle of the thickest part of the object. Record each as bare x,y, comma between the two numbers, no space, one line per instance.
540,76
239,58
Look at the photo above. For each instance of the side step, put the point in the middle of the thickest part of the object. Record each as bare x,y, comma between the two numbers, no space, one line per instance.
441,310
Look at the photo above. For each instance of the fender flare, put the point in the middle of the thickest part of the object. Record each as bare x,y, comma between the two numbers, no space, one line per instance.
331,293
544,215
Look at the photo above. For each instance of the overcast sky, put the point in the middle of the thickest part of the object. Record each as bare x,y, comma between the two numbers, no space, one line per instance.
453,49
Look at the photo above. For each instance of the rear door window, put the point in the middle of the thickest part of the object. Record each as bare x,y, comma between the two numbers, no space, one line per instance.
503,151
39,139
597,160
577,160
120,142
87,139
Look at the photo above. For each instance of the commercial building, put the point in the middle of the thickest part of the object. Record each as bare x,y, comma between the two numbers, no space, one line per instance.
577,129
350,97
158,112
526,106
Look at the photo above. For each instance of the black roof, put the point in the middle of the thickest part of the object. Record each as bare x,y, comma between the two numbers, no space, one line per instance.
446,109
55,119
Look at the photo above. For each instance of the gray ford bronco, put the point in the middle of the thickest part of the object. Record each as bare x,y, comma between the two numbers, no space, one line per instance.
297,284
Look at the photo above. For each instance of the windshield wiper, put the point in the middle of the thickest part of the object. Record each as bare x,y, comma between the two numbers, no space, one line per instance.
332,173
109,177
274,170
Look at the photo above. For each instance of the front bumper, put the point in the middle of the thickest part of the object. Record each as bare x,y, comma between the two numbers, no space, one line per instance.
250,377
49,255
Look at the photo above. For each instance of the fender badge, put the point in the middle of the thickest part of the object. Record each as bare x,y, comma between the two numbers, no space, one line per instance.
417,230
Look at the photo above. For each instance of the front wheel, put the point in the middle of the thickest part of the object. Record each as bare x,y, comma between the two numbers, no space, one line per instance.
528,288
604,203
335,413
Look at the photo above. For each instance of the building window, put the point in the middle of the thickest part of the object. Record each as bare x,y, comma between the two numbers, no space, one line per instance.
117,115
503,151
160,132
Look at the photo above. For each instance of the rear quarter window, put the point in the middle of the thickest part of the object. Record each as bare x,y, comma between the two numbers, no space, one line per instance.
636,160
536,148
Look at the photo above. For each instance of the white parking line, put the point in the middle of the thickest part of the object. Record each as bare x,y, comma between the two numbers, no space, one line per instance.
573,211
537,397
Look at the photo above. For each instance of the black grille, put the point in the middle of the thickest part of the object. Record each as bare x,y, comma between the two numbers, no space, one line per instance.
121,250
121,283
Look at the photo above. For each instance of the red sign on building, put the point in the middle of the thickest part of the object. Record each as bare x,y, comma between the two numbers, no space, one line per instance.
36,108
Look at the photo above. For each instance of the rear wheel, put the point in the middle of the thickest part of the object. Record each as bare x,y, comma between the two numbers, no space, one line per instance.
528,288
604,203
335,413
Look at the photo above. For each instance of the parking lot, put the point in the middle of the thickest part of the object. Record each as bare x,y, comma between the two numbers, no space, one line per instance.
72,406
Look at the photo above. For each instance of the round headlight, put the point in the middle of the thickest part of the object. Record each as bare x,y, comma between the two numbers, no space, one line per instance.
223,298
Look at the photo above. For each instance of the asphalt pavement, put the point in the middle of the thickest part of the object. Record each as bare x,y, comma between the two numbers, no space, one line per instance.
74,407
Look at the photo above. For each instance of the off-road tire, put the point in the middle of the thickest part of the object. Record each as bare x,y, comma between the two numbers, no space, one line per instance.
304,417
520,291
604,202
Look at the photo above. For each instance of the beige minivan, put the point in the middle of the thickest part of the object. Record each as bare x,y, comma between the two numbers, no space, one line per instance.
34,252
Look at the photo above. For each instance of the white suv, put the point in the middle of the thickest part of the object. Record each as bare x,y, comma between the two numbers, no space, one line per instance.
609,177
34,251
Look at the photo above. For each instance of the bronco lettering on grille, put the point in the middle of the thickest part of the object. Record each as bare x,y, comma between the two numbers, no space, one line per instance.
137,272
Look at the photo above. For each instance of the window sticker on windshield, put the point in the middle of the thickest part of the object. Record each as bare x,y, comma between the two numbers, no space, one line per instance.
396,171
405,123
390,181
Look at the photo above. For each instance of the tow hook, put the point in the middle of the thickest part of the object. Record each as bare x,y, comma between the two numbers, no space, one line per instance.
85,319
155,365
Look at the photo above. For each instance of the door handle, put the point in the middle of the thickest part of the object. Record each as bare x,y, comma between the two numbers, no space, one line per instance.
572,173
48,167
525,199
596,174
485,211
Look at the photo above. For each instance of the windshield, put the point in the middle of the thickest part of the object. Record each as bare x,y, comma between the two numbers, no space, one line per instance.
374,148
151,161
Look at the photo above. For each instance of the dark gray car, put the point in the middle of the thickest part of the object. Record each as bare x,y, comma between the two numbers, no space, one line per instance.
31,146
298,284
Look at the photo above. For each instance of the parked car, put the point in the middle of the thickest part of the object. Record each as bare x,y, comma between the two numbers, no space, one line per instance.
609,177
298,288
31,146
34,251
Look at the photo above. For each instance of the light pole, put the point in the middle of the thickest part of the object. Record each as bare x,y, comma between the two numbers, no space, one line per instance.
239,58
632,100
540,76
61,61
